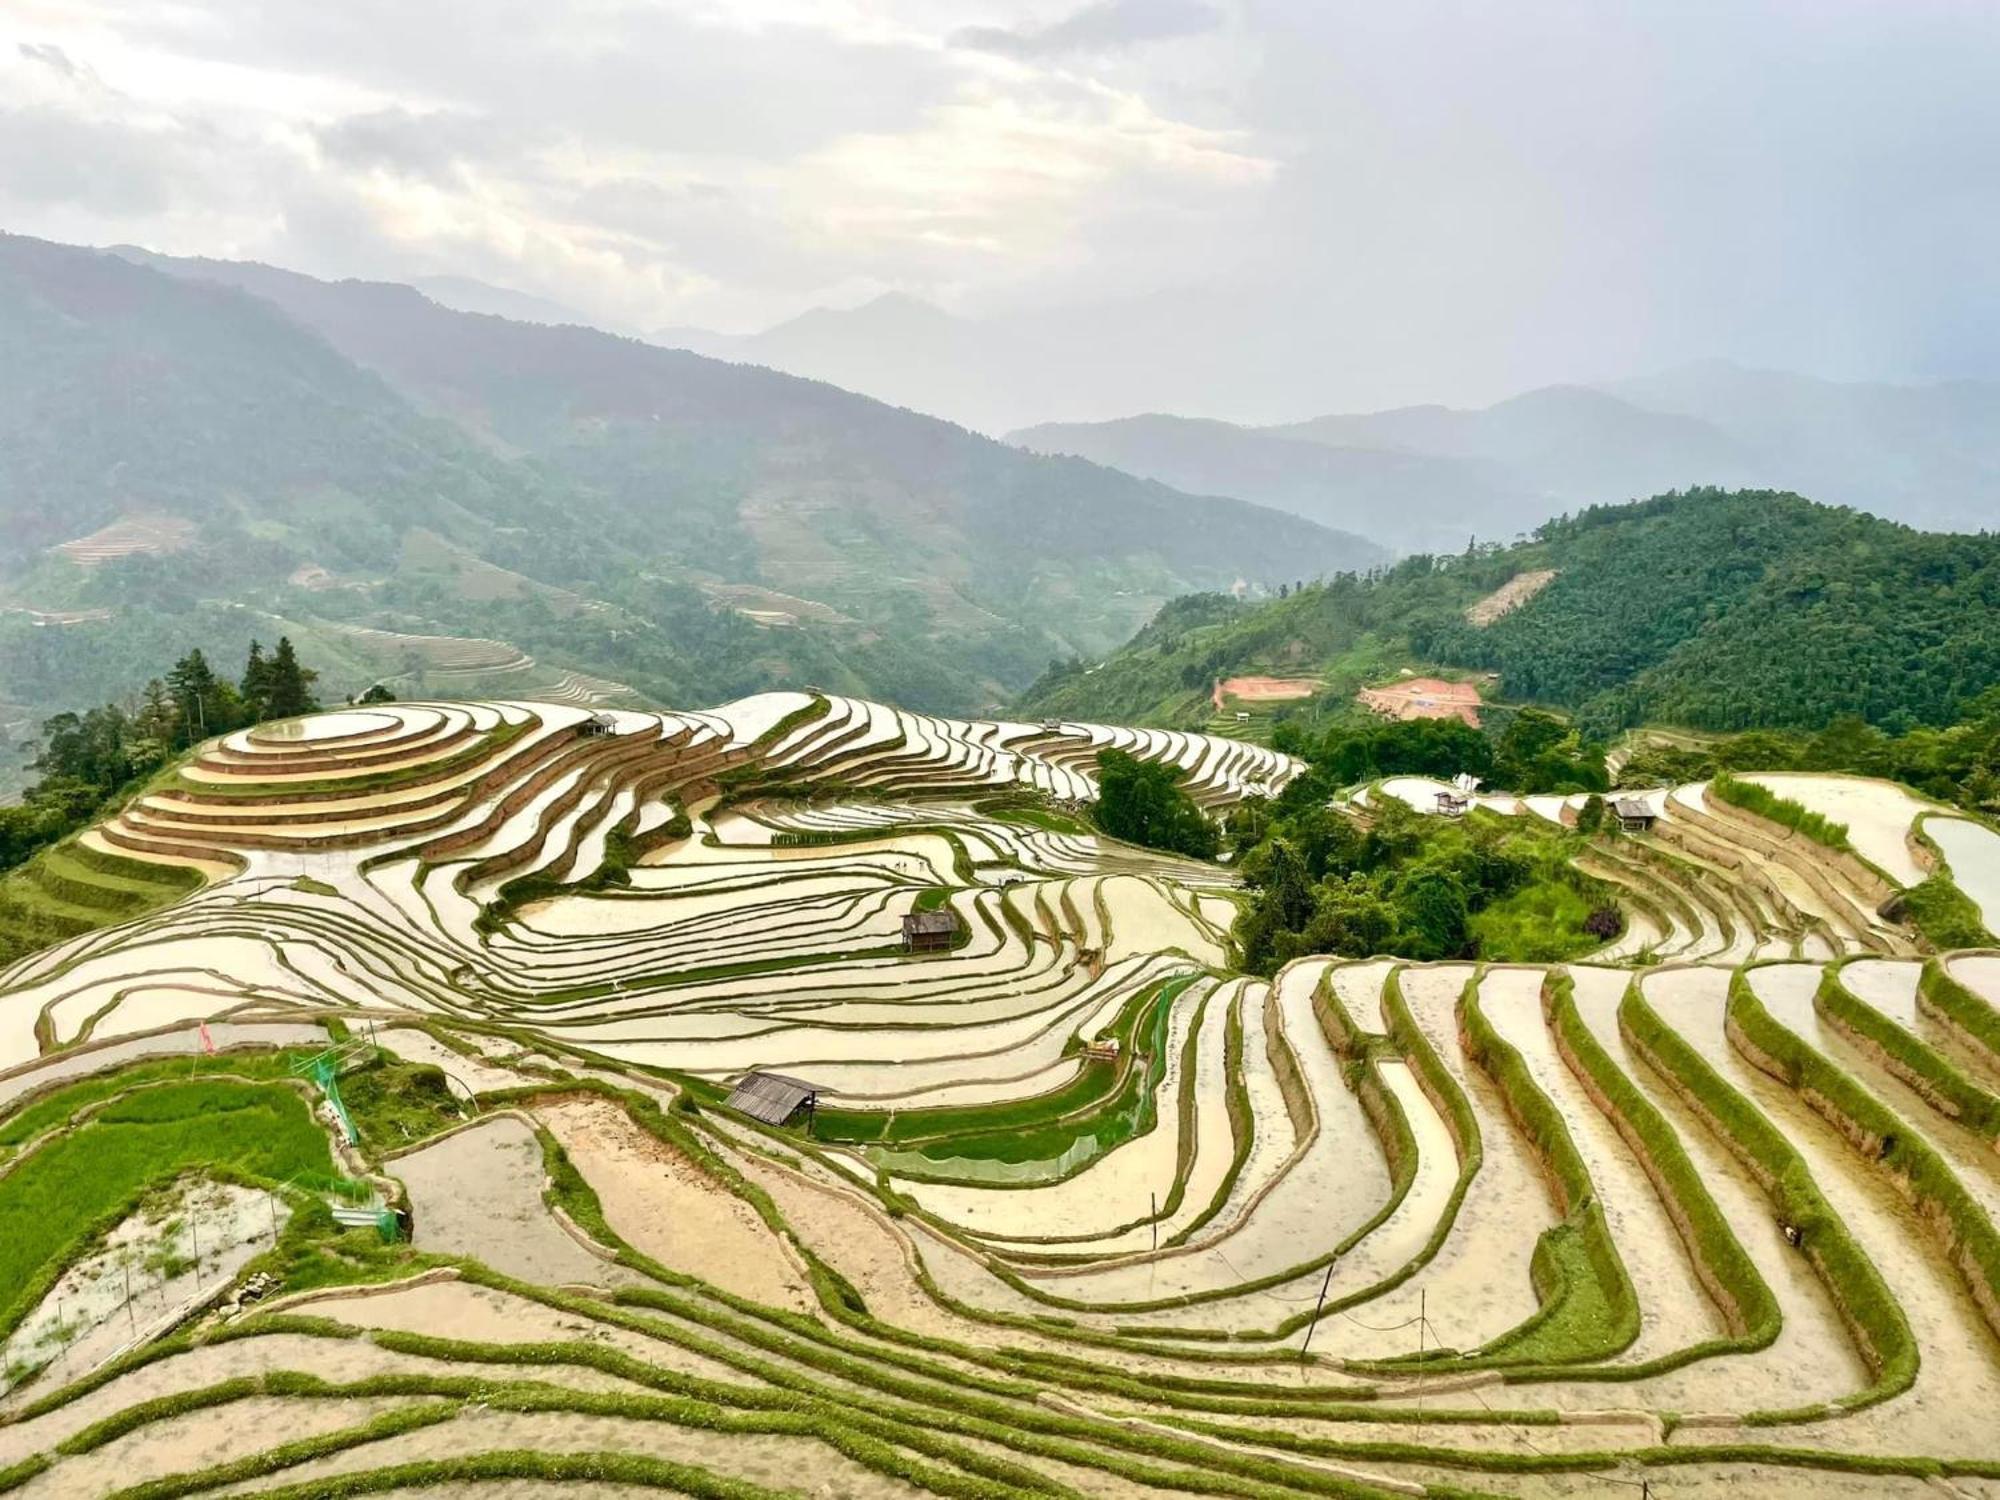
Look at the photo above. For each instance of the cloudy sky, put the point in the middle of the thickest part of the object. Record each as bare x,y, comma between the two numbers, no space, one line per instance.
1295,205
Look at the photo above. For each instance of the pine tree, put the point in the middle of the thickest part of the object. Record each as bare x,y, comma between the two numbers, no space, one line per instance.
256,687
154,726
291,684
197,694
158,716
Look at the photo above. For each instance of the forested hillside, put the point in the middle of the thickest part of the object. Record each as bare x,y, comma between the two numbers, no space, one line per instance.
1712,609
463,504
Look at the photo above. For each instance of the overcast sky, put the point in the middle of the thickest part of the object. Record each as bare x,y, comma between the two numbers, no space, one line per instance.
1361,204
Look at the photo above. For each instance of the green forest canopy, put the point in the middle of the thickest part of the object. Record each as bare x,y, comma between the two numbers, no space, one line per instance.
1719,610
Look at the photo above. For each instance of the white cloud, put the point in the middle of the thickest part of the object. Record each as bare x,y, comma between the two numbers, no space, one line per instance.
1342,204
656,164
1100,27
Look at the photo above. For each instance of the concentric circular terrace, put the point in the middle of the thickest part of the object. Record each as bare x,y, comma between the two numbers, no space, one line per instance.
1078,1209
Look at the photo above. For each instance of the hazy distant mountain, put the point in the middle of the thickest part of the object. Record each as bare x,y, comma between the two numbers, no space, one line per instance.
1925,454
1424,477
1573,444
1415,501
1163,351
896,348
356,451
464,294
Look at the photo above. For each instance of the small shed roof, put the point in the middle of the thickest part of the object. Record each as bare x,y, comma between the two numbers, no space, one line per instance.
1633,807
921,923
770,1097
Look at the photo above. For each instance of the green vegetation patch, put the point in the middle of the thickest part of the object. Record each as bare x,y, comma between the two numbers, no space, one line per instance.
1486,885
78,1186
394,1102
1143,802
34,1113
1786,813
69,889
1944,916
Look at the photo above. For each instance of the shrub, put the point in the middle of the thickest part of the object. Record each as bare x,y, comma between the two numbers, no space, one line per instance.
1944,915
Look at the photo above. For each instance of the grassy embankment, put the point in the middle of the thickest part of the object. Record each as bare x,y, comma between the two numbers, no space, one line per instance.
74,1187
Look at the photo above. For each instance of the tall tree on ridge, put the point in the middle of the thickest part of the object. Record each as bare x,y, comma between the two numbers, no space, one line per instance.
208,705
291,684
257,680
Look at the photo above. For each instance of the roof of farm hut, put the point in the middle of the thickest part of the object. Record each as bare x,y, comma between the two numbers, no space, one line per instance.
1632,807
770,1097
923,922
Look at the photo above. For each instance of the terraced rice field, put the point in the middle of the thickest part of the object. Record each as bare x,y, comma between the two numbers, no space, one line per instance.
1078,1209
1710,883
471,665
127,536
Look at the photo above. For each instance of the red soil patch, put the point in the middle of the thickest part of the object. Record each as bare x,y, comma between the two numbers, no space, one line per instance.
1424,698
1264,689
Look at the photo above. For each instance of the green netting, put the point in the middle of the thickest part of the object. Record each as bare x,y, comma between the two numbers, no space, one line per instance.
323,1068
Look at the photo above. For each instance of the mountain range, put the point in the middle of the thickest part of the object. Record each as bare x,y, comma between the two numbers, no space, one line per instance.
1426,478
1417,477
194,452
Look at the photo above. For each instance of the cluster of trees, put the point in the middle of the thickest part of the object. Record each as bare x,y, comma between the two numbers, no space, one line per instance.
1142,802
1527,751
1418,887
271,687
86,759
1958,763
1735,610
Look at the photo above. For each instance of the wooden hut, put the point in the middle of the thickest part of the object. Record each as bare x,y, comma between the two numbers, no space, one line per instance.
930,931
774,1098
1633,815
